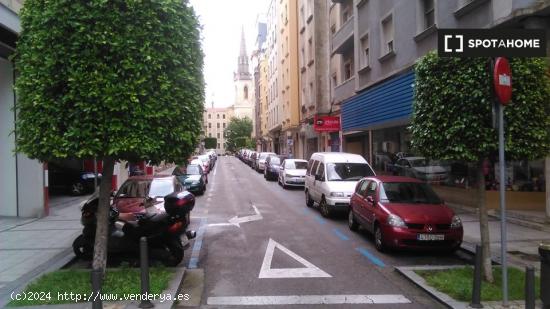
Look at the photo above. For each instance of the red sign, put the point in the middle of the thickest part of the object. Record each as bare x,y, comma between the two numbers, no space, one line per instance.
502,79
326,123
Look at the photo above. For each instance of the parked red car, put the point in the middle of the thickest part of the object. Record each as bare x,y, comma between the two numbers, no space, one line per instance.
404,212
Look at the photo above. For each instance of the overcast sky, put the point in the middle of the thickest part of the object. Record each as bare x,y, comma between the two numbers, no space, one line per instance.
222,21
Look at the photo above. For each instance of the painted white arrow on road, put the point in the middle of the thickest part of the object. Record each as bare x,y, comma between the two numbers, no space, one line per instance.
255,217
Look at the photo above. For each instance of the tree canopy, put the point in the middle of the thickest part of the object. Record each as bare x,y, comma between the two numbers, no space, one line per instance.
111,78
238,133
210,142
452,116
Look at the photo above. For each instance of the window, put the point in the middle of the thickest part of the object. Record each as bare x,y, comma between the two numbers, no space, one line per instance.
311,93
219,146
218,116
224,125
362,187
345,14
218,125
371,189
387,35
333,29
365,53
321,172
210,125
246,92
223,116
334,80
348,70
429,13
310,49
218,135
209,116
209,134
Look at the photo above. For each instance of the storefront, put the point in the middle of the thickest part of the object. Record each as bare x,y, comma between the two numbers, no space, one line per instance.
375,124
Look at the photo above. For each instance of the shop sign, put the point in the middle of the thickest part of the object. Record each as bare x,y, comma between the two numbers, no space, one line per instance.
326,123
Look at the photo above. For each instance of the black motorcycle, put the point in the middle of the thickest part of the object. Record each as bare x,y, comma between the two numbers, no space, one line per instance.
163,229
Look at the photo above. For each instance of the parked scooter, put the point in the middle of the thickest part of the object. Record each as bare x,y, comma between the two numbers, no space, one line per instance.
163,229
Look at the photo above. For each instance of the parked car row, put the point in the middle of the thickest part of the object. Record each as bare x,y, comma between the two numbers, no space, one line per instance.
400,211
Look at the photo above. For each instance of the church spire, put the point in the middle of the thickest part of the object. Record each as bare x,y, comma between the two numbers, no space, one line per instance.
243,69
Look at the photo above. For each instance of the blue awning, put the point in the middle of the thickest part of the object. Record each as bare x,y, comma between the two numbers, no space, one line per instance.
384,105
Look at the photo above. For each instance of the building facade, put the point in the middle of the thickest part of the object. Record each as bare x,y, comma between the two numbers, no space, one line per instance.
215,121
313,63
23,181
374,50
258,56
243,105
274,108
289,77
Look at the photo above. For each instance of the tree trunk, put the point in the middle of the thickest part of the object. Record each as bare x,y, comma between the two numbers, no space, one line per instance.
102,216
484,225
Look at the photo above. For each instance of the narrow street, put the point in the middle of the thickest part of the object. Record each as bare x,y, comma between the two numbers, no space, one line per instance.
289,250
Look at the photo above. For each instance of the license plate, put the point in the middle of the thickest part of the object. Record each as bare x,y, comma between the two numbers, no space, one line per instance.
430,237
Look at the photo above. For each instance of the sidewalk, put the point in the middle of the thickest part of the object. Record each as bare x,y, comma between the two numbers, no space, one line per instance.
524,236
30,246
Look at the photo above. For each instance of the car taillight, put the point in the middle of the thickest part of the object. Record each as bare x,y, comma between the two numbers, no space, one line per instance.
86,214
174,228
181,202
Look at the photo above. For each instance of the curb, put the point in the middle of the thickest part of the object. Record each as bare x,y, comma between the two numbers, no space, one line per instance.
408,273
521,220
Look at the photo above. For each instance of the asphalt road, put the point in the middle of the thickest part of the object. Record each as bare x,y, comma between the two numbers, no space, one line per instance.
287,254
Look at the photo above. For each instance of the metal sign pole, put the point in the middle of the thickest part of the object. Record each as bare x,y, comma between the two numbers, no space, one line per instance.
502,189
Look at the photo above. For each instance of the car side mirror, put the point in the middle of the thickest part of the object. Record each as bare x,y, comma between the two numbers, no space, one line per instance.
370,200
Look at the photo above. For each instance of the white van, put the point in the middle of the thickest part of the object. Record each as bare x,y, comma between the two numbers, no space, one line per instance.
331,178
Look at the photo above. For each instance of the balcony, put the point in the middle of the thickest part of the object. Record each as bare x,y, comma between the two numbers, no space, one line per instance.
344,90
342,40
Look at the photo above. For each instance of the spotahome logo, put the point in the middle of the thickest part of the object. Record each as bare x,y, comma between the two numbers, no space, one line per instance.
491,43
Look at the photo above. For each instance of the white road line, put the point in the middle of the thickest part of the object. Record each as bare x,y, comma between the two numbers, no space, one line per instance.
309,271
255,217
307,300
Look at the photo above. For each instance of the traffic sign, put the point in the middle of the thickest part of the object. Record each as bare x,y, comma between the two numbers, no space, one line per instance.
502,80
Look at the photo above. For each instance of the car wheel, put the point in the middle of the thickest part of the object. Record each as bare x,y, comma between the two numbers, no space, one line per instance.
325,211
309,201
352,223
77,188
379,239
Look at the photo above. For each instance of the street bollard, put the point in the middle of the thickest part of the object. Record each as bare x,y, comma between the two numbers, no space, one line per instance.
529,287
544,253
97,277
144,265
476,290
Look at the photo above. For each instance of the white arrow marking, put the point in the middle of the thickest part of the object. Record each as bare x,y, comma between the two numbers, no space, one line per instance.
309,271
255,217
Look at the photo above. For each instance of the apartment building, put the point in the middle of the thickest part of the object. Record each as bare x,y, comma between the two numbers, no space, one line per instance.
313,63
215,121
375,44
288,76
258,56
274,110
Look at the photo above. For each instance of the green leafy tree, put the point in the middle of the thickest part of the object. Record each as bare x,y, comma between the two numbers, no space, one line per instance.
452,118
238,133
210,142
114,79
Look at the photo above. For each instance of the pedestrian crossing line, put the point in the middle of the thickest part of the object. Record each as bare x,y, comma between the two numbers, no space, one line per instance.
307,300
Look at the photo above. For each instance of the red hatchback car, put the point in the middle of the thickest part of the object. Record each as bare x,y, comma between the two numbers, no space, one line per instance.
404,212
